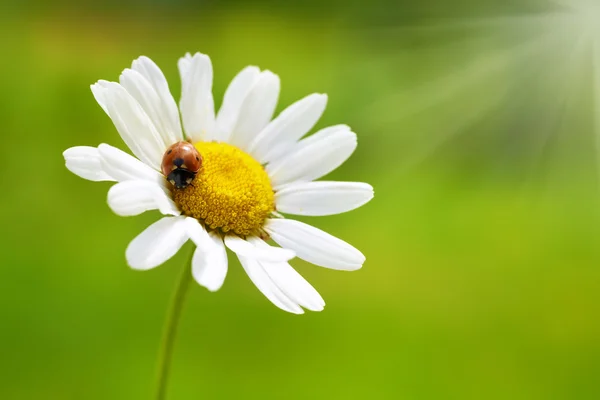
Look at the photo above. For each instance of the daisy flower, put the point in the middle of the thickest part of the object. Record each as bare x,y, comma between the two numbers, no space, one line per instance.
252,170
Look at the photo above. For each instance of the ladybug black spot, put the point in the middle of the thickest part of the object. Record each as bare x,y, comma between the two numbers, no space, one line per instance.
197,158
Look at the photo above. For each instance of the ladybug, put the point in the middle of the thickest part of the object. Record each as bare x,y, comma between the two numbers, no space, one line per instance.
181,163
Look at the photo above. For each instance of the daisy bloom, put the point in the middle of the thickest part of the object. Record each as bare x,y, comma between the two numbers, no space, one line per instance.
252,169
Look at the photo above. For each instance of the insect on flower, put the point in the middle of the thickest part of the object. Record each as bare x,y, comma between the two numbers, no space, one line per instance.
227,178
181,163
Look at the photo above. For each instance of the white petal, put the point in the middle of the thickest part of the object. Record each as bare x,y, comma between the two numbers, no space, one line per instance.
162,111
158,243
234,97
314,245
248,248
289,126
99,91
256,110
313,157
134,197
124,167
294,285
153,74
198,234
85,162
197,105
132,122
277,154
265,284
209,268
184,63
322,198
169,114
279,151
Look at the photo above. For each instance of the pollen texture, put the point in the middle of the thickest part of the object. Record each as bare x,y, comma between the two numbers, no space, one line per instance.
231,192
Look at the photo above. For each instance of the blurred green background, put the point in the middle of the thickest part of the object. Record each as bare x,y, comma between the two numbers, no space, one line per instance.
476,125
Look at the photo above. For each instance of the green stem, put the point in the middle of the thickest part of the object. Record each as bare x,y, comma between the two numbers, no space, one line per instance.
170,331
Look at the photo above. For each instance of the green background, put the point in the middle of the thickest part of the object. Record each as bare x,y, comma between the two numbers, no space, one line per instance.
482,278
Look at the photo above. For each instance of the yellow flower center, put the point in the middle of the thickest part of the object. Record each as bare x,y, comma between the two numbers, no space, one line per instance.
231,192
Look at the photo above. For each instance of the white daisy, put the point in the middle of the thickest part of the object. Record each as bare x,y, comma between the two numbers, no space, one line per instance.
253,168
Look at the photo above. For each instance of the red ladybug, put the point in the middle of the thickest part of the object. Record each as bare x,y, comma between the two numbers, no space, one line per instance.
181,163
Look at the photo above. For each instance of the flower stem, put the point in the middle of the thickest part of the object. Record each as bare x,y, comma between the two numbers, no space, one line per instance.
170,330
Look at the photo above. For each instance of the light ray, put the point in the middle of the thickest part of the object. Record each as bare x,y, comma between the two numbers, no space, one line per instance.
595,43
446,88
565,82
533,54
